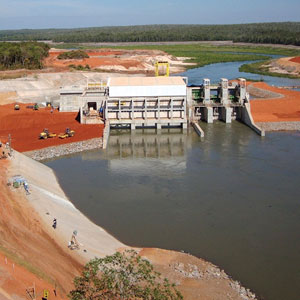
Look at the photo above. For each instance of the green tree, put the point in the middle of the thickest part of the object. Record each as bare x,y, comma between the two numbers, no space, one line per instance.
122,276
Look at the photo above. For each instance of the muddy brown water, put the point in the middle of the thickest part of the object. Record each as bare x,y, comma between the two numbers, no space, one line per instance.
232,198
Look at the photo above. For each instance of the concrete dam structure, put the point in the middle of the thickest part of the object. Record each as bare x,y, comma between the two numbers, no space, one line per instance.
139,102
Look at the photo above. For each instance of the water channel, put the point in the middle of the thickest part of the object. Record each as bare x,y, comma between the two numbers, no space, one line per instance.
232,198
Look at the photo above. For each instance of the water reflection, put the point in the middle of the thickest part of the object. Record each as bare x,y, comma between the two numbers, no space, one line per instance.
143,149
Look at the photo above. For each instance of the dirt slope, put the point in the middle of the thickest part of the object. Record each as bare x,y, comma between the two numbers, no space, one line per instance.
24,238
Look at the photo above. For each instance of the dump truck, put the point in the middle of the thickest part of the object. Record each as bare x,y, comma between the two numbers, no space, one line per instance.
46,134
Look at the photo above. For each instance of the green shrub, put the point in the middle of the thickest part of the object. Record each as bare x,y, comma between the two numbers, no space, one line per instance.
75,54
122,276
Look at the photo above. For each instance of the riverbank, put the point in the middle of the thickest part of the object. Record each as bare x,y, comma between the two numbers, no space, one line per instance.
67,149
283,67
58,264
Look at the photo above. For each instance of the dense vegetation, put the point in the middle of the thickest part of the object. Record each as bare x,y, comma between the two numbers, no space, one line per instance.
276,33
26,55
122,276
75,54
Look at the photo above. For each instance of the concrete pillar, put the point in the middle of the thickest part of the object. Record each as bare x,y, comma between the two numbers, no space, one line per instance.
208,114
226,113
132,109
189,96
132,126
224,91
206,87
158,109
184,125
158,126
242,84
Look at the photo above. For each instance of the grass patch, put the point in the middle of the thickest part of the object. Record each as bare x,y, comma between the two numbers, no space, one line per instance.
25,264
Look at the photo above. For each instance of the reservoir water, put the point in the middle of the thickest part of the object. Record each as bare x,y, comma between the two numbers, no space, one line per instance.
232,198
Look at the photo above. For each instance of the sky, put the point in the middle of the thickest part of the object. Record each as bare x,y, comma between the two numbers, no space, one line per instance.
35,14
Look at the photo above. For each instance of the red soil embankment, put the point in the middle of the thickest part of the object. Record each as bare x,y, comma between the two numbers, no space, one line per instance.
296,59
24,240
282,109
26,124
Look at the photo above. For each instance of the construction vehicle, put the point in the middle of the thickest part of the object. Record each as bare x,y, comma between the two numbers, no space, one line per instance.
68,133
46,134
17,107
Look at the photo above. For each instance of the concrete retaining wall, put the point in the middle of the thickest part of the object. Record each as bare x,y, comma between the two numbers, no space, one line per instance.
106,133
246,117
198,129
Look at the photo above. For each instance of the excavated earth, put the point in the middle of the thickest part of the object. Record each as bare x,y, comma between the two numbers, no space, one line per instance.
128,61
280,105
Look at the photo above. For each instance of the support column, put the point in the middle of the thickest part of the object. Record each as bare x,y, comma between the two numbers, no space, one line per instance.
226,113
132,110
208,114
132,126
158,109
206,88
171,109
158,126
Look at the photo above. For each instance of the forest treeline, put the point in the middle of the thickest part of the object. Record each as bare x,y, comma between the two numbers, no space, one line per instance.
25,55
275,33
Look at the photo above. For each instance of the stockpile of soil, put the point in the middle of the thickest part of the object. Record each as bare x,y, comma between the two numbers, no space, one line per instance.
25,125
296,59
284,109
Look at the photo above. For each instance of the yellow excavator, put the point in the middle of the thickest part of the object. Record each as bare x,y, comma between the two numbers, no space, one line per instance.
46,134
68,133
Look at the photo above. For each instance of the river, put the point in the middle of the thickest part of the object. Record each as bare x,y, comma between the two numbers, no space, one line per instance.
232,198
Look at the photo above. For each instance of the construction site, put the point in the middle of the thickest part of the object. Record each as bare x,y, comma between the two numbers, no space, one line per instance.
64,109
